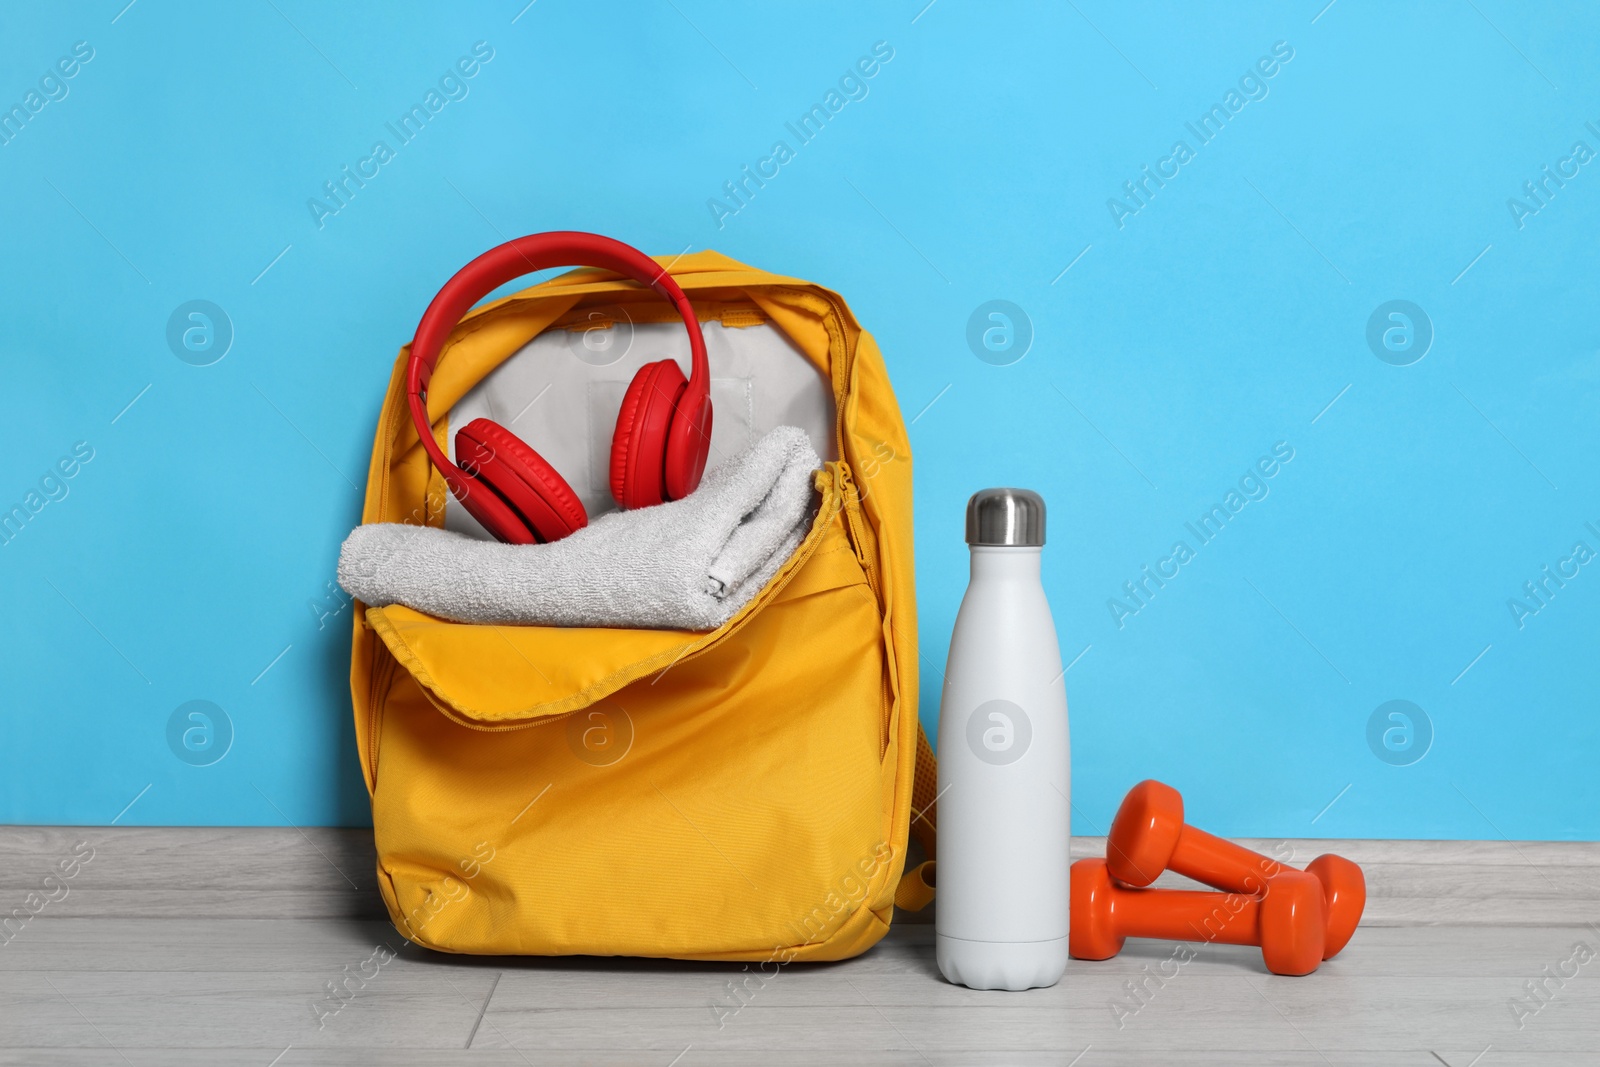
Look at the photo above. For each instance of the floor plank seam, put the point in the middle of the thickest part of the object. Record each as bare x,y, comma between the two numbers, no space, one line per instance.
472,1035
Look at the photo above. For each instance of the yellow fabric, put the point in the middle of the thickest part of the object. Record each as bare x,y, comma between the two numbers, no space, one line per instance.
916,888
740,794
924,799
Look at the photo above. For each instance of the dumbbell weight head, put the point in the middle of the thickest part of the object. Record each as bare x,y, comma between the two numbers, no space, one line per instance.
1344,896
1145,833
1294,923
1092,928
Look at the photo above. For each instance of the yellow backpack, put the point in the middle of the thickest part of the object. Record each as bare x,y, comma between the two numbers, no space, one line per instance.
757,791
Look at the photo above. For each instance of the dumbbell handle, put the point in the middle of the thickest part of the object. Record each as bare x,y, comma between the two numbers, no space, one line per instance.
1182,915
1219,862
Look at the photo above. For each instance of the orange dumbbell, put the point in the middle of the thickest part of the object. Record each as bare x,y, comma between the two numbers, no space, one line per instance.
1287,921
1149,836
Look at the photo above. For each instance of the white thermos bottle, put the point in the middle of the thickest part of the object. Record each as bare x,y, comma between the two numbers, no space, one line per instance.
1004,763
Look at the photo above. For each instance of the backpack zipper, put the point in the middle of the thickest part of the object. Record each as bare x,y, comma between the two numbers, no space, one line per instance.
852,507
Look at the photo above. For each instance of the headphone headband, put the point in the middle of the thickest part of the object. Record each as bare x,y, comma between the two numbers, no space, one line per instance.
507,262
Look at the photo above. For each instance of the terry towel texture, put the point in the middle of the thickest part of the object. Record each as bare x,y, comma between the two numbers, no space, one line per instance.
689,564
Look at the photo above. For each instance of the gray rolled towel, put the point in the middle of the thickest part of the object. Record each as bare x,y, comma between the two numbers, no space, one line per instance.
689,564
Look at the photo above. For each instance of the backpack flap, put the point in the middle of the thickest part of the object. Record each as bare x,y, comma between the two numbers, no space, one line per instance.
504,677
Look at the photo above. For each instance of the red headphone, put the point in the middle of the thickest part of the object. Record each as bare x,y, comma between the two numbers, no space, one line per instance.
658,451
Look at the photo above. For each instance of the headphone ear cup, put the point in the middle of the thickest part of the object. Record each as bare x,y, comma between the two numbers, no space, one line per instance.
533,490
688,444
491,511
639,445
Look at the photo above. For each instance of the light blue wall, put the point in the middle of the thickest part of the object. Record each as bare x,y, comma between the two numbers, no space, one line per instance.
189,558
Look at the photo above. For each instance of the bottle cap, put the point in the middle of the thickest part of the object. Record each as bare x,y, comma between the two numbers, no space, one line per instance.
1005,518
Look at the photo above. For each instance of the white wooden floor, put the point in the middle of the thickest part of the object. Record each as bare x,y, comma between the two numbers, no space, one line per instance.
209,947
